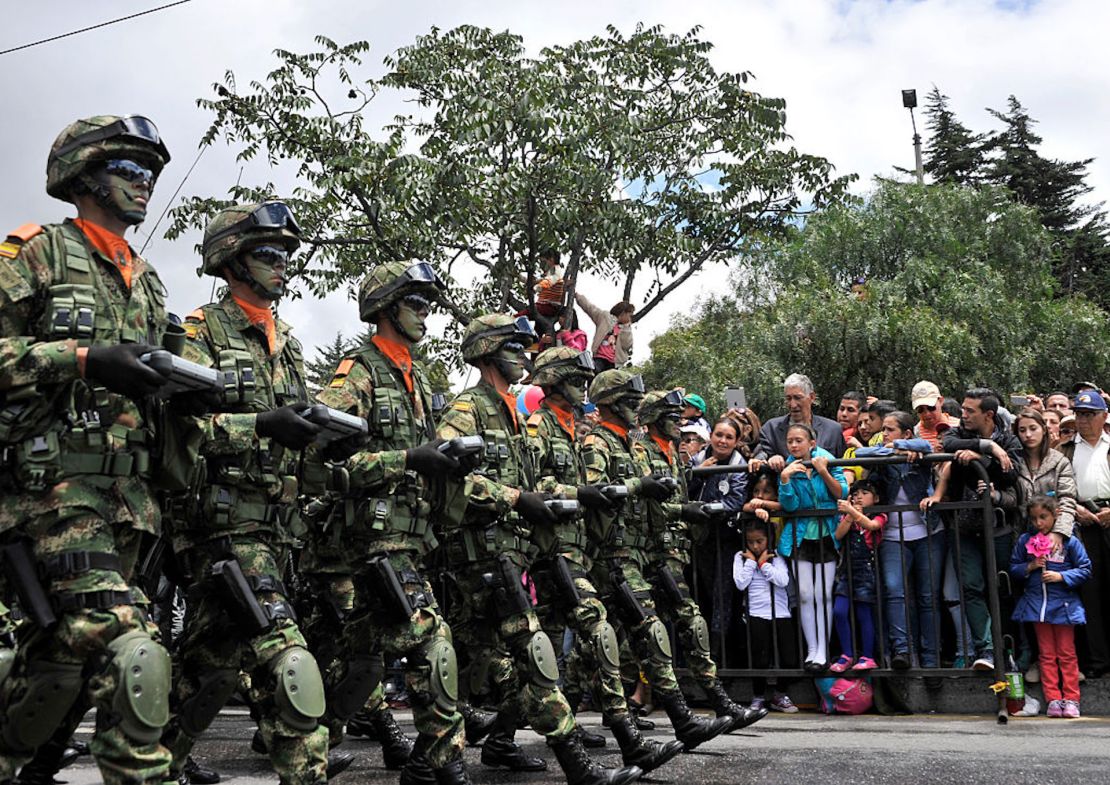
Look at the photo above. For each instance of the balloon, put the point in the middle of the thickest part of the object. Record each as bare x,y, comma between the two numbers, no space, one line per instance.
533,397
521,406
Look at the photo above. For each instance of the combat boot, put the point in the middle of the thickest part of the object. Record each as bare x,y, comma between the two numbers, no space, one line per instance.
500,748
338,762
590,739
199,774
688,728
380,726
639,720
454,773
418,771
727,707
638,751
580,770
49,759
478,723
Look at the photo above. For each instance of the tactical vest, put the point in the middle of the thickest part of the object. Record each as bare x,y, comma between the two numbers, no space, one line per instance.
668,538
506,460
398,510
77,432
563,463
628,531
255,489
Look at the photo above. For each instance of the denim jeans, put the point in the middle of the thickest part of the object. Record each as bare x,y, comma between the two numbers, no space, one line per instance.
971,567
913,569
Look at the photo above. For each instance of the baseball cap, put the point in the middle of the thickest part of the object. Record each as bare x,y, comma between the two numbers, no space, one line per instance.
1078,386
1090,400
695,400
924,394
697,429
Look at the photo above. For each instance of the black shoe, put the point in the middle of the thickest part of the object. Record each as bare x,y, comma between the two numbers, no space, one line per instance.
454,773
361,726
499,749
590,740
80,747
648,754
478,723
258,744
580,770
417,771
725,706
691,730
338,762
641,722
900,661
815,667
48,760
198,774
380,726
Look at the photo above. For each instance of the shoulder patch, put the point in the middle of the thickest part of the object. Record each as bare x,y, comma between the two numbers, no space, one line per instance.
341,372
25,233
9,250
462,406
191,329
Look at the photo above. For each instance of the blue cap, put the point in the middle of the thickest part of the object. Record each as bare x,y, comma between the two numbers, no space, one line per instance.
589,408
1091,400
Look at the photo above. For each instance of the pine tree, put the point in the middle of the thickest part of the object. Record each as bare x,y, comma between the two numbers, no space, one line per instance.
319,370
953,153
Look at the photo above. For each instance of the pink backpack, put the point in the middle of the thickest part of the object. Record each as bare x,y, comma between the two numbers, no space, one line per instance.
845,696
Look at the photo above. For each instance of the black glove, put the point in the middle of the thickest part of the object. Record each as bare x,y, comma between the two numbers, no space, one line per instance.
693,513
118,368
286,427
532,509
194,404
426,459
654,490
339,450
591,497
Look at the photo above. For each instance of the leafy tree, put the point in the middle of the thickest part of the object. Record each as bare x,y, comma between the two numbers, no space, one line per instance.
630,152
959,291
953,154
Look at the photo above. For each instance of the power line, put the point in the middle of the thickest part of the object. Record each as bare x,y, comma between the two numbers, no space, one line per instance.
180,185
93,27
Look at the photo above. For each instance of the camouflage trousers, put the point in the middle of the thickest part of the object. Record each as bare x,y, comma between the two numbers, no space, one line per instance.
373,629
81,638
330,602
492,641
683,612
214,640
583,669
637,631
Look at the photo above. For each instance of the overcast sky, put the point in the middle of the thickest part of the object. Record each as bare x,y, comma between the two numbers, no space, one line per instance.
839,65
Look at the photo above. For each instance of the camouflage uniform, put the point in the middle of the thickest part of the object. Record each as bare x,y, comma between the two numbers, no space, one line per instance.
242,508
76,476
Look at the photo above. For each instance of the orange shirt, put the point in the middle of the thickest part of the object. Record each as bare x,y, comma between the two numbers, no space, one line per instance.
510,401
565,418
398,354
619,430
263,317
667,446
111,245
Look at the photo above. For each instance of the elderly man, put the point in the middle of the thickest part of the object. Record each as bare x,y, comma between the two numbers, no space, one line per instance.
1089,452
799,397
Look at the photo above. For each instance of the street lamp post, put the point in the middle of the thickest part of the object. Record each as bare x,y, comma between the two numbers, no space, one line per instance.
909,100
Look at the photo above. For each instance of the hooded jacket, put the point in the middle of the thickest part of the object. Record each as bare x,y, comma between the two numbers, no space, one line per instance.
1053,603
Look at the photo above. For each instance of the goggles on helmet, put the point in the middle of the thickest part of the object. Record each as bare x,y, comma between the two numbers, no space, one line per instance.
271,215
129,171
519,331
417,302
581,362
673,398
134,127
420,273
634,386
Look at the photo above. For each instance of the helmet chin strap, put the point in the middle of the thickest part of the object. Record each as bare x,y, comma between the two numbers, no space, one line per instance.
510,372
103,195
625,412
241,273
395,320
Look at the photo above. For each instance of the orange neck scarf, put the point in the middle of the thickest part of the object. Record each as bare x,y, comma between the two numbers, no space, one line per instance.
666,445
111,245
510,404
619,430
564,416
398,354
263,318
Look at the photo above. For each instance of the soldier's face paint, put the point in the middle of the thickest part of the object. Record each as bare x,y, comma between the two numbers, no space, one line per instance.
125,189
510,361
574,390
412,316
266,268
669,427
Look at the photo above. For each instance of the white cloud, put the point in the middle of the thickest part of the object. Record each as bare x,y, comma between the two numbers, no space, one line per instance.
839,65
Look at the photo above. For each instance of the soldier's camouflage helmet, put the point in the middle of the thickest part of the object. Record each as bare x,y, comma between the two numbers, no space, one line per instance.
608,387
561,362
389,282
487,334
234,228
102,138
660,404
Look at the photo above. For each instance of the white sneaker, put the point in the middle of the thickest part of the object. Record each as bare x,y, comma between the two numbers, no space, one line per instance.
1033,675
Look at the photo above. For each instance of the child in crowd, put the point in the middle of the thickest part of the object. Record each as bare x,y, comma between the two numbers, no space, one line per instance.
765,577
1051,602
763,501
855,577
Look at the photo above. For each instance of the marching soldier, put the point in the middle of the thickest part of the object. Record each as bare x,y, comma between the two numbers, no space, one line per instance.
561,571
669,548
380,518
621,540
78,308
486,543
233,529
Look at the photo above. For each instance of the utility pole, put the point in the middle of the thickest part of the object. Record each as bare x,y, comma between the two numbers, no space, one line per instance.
909,100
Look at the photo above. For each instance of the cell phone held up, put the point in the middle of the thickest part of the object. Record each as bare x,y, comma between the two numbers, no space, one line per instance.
735,398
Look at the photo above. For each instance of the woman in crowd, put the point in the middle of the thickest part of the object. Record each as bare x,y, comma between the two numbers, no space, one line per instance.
749,425
1043,472
911,554
612,343
1052,423
714,553
810,541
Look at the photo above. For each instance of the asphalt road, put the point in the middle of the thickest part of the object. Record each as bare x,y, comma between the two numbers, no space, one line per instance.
801,749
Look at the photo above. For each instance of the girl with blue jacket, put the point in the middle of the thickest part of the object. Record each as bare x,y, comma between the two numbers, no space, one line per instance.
1051,602
810,540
